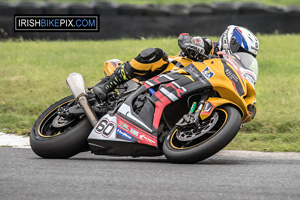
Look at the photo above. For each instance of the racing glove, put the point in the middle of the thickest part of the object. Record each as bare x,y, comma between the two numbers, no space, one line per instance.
195,48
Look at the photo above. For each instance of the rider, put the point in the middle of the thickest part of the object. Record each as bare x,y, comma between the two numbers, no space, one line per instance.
153,61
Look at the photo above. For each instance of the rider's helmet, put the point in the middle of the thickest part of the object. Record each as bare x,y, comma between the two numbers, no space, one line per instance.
239,39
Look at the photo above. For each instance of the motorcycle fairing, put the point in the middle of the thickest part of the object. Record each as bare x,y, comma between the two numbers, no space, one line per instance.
222,83
162,78
142,127
106,129
235,78
230,85
110,66
233,72
126,110
135,132
197,75
118,128
213,103
174,87
114,135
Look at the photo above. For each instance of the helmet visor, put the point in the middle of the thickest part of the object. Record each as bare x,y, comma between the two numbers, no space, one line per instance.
238,43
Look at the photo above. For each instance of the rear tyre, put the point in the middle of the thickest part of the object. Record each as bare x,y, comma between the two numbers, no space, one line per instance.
53,136
185,146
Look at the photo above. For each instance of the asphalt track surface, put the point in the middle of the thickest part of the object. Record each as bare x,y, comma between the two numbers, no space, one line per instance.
224,176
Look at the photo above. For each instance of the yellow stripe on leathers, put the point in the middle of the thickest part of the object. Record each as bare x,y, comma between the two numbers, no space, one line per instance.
147,66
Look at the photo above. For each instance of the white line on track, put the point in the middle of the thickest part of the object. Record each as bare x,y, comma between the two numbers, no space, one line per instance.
15,141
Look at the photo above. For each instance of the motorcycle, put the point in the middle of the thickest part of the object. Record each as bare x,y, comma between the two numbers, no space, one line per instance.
188,114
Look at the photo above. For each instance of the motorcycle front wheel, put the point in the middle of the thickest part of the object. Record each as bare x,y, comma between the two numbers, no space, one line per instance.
192,144
54,136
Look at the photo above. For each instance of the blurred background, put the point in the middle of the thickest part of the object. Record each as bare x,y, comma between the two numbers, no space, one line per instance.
136,19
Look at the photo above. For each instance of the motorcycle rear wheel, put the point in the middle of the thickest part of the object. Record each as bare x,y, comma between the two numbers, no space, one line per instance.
177,150
48,141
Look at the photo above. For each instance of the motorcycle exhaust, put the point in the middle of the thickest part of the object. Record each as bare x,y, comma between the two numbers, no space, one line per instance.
76,84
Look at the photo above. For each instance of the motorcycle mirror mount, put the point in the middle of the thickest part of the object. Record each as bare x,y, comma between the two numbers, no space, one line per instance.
76,84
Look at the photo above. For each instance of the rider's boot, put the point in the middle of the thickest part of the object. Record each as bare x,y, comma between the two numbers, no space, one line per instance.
109,83
148,63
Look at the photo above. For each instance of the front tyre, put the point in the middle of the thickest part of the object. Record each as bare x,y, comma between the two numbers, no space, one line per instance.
191,145
53,136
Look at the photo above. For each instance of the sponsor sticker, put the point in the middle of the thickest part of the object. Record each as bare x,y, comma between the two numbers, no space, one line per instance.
230,74
147,140
208,73
123,126
191,69
124,134
208,108
133,133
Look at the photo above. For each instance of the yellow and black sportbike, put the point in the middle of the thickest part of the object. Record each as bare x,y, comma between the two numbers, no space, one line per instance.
187,114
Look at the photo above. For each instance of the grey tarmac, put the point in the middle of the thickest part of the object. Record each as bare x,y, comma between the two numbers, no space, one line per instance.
228,175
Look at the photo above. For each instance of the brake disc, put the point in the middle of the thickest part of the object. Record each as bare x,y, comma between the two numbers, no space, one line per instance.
186,134
59,121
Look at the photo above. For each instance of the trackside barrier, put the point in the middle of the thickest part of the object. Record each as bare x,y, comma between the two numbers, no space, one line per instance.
135,21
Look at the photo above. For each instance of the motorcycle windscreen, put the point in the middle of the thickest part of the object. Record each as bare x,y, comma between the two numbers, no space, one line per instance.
248,66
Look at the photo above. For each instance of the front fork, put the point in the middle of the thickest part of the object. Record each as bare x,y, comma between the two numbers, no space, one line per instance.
193,116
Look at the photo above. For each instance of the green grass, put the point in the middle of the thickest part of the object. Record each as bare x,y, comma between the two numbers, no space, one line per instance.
164,2
33,75
277,124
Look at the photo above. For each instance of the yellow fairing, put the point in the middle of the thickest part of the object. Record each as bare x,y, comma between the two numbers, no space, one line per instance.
181,60
227,88
216,102
110,66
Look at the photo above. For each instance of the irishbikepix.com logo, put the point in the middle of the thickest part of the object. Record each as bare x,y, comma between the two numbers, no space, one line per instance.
65,23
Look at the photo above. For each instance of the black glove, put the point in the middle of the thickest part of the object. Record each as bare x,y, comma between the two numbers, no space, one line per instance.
194,52
195,48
